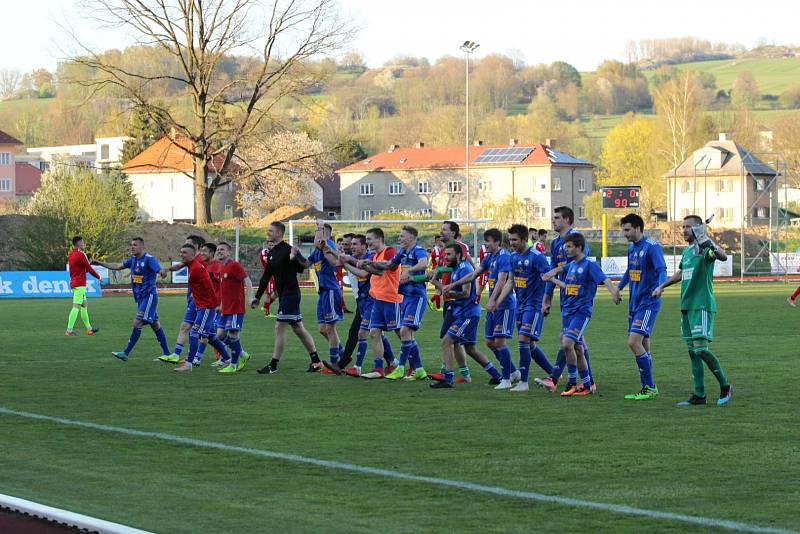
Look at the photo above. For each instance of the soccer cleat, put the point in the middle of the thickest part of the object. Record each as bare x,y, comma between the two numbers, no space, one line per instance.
570,391
315,367
354,371
431,305
694,400
327,371
409,372
376,373
184,366
223,365
494,381
725,395
331,368
267,370
344,361
646,393
521,386
219,363
791,302
391,368
229,369
396,373
70,333
442,384
463,379
92,331
170,358
436,376
516,376
504,384
418,374
582,391
120,356
244,357
547,383
216,355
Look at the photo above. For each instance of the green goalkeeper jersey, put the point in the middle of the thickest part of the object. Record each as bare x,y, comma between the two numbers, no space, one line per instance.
697,280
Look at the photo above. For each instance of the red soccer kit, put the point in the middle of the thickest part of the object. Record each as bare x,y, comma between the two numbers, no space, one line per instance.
483,277
232,287
215,273
78,267
201,286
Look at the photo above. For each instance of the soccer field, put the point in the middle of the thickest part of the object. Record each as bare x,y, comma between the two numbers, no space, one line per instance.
203,452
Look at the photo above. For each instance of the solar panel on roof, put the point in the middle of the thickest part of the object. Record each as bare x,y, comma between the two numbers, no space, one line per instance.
504,155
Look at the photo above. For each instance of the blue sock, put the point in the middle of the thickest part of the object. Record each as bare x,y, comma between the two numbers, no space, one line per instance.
194,341
201,349
178,348
586,379
414,356
333,352
225,339
449,376
363,345
586,354
541,359
221,348
572,373
645,370
504,367
504,356
524,360
405,348
388,353
378,363
236,350
492,370
135,334
162,340
558,367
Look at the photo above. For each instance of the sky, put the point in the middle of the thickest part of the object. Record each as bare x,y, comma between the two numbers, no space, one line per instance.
580,32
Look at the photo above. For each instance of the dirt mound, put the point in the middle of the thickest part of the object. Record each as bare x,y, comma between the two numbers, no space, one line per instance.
163,240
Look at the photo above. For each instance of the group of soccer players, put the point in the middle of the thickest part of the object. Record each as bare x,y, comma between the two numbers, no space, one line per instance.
390,286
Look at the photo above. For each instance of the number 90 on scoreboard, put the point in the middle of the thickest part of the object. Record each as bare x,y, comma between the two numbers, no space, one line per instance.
621,196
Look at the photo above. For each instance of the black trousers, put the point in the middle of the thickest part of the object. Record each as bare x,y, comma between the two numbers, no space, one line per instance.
352,335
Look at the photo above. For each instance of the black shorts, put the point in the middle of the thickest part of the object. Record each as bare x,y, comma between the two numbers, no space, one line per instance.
289,308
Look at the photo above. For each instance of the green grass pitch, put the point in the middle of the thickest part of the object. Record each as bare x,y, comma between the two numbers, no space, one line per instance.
737,463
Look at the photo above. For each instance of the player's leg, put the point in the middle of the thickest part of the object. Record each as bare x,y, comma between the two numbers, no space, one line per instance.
219,342
703,350
448,356
524,349
78,298
793,299
640,326
136,333
698,379
277,349
352,337
87,325
572,365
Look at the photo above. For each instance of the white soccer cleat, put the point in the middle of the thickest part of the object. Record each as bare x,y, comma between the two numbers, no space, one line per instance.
516,376
521,386
504,384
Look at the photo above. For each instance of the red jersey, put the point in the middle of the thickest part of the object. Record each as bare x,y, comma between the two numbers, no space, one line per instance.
215,273
232,287
78,267
437,256
200,285
481,255
539,246
263,258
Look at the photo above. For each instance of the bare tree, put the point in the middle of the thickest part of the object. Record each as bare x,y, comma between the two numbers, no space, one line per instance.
282,35
9,81
677,104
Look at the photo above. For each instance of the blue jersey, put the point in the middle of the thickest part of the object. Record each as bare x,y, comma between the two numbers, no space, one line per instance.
496,263
558,258
143,275
407,259
646,271
528,269
582,279
466,307
326,273
363,281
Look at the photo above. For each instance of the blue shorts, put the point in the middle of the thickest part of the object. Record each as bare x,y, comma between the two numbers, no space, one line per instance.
530,322
642,321
464,330
289,308
232,322
329,306
365,310
447,318
385,315
500,323
574,326
191,310
204,322
412,310
147,308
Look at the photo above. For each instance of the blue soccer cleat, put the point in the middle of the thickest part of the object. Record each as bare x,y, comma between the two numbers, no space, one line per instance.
120,356
725,396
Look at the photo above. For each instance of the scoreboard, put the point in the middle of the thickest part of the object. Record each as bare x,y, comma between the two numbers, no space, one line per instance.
621,196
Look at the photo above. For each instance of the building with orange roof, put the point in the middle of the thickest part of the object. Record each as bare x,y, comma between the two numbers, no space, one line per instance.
426,181
162,177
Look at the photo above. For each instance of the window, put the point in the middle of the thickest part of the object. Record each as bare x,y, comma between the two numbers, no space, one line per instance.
721,186
581,184
684,212
367,214
581,212
686,186
485,186
5,158
228,211
543,186
454,213
724,214
759,184
397,188
104,151
425,212
539,212
366,190
454,186
424,188
331,214
556,183
762,213
5,184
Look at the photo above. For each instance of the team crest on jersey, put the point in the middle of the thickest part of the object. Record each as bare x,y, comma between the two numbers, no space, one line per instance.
527,262
580,270
641,253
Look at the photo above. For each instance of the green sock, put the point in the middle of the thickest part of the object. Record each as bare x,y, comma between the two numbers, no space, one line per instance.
713,364
85,318
697,374
73,316
464,371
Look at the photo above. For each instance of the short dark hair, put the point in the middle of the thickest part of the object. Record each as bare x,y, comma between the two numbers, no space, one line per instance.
211,246
188,246
196,240
576,239
279,225
694,217
454,227
566,213
634,220
349,235
225,243
339,240
494,234
76,239
531,230
361,238
139,239
377,232
328,227
411,230
542,232
456,247
519,230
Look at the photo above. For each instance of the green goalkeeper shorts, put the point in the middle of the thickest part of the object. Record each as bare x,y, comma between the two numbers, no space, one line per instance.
79,295
697,324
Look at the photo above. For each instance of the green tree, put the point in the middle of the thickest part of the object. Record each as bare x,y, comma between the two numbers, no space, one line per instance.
98,207
145,127
744,93
790,98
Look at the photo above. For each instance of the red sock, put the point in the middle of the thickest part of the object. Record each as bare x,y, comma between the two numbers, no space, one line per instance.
796,293
437,299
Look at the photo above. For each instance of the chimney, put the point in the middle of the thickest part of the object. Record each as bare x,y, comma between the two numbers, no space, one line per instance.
723,136
420,145
478,142
550,142
392,148
513,142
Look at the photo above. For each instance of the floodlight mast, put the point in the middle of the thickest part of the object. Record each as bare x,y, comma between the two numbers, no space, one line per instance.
468,48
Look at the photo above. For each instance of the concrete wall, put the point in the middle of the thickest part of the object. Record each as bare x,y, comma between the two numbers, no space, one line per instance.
170,196
9,172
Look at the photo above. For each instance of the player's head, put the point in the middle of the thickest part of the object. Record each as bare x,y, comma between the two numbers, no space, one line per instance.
532,232
408,236
632,227
542,234
195,240
327,230
518,237
207,251
275,231
453,254
562,218
438,241
375,238
573,245
224,250
493,239
137,246
450,231
78,242
358,244
347,242
688,222
188,252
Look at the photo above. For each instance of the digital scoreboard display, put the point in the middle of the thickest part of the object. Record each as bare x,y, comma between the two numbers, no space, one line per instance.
619,196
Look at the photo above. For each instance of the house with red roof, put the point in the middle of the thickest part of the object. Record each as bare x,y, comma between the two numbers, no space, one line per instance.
8,171
162,177
427,181
28,180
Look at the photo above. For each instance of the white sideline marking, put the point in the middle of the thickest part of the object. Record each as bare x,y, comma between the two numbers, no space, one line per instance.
458,484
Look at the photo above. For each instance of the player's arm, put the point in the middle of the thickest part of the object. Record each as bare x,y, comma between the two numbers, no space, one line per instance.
172,268
502,288
674,279
262,286
110,266
297,257
88,266
248,287
625,279
330,254
467,279
613,289
457,294
659,263
353,269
